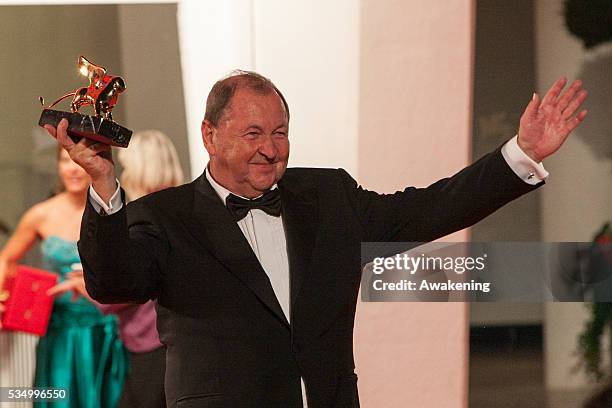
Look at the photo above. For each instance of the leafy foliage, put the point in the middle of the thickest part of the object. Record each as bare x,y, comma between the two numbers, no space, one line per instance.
589,342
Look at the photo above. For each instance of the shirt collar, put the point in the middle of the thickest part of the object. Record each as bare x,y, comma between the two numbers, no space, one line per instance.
223,192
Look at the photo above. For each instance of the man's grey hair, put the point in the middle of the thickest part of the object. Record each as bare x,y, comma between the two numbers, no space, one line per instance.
223,90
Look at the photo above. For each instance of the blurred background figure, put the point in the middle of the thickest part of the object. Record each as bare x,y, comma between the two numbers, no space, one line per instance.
81,351
150,164
17,350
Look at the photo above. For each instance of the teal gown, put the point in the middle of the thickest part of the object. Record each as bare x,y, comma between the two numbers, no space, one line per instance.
81,351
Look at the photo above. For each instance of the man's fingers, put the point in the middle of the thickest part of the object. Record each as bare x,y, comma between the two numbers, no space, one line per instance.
554,91
89,143
86,142
99,148
573,106
63,125
62,135
87,148
568,96
51,130
573,122
532,107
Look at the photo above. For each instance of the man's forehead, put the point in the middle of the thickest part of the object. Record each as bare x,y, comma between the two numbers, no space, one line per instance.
248,93
249,102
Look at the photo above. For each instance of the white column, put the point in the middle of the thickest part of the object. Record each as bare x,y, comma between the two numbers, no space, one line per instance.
310,50
415,127
215,37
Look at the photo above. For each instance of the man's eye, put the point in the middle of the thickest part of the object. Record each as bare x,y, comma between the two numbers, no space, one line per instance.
280,134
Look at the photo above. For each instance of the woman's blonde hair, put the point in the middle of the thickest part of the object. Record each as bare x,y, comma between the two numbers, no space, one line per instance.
150,164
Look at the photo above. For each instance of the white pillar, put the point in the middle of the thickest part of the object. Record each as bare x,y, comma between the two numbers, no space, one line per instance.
310,49
215,37
415,127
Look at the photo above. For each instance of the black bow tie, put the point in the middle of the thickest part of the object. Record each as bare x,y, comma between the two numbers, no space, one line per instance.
270,203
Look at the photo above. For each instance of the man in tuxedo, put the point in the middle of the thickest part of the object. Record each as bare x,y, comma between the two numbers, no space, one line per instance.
255,267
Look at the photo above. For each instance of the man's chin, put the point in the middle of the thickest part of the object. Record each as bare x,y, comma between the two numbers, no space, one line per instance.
263,187
264,184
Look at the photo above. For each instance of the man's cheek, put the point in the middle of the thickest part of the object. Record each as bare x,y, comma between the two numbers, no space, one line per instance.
280,169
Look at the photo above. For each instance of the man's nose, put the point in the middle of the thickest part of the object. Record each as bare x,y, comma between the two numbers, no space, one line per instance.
267,148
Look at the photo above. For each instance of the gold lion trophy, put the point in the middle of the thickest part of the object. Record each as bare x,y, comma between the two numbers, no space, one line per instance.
101,93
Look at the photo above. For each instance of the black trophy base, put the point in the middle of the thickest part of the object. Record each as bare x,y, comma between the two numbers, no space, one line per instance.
91,127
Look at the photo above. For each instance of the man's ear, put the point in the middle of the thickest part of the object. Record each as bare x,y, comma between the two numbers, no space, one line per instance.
208,135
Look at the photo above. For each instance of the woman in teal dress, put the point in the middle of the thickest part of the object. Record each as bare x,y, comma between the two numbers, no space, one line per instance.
81,352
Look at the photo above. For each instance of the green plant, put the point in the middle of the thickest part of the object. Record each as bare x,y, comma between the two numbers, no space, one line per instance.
589,342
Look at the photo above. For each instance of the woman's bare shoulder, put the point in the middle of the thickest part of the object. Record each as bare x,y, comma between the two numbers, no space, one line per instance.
39,212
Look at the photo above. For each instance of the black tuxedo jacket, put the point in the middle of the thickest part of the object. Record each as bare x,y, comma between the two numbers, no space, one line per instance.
228,342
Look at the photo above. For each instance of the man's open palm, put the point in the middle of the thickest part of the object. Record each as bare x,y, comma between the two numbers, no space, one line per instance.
546,124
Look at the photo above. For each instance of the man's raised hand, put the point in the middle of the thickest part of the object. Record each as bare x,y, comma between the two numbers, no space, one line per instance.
94,157
546,123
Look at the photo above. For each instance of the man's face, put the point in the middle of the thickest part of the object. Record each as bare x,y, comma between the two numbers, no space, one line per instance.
249,148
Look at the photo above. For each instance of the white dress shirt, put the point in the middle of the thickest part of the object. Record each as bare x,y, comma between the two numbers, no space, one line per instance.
266,236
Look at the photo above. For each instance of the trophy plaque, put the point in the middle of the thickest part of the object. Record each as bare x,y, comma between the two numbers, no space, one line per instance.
101,93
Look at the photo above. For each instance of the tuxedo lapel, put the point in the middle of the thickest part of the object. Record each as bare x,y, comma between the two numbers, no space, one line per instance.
217,231
299,212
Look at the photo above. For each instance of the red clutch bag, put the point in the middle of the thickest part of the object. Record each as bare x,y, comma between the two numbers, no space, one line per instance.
28,307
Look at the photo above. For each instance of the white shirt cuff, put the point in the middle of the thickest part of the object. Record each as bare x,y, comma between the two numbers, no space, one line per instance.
521,164
100,206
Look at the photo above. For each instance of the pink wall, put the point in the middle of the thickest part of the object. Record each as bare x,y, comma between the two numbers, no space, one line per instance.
415,109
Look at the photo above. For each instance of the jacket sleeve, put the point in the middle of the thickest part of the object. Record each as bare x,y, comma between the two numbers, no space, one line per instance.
448,205
122,254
